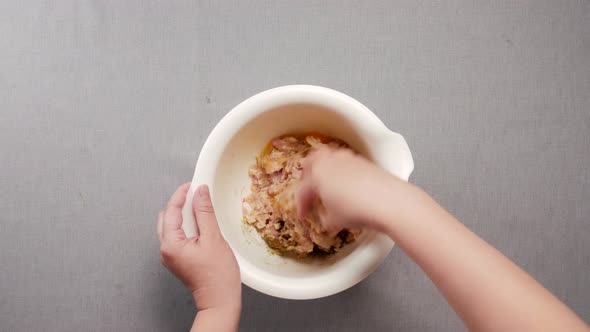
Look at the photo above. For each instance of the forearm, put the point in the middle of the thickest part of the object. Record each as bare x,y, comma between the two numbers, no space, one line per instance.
485,288
217,319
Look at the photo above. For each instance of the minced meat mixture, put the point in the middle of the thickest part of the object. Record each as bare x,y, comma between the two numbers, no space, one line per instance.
270,207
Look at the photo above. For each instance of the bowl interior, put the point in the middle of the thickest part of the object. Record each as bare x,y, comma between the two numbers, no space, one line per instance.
231,184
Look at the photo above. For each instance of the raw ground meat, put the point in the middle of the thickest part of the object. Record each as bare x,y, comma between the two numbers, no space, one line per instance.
270,207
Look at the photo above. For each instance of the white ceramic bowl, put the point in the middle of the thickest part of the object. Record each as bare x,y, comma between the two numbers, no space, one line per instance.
231,148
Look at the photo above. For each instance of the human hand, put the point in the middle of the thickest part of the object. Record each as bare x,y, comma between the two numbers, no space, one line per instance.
354,192
204,263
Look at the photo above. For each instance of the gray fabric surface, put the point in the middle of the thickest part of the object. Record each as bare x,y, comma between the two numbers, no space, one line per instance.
104,106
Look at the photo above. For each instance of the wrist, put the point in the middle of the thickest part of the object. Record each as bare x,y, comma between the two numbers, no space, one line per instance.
229,303
222,319
227,311
400,201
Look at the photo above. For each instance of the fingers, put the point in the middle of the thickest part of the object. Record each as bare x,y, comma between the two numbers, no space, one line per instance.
329,225
204,214
305,197
172,221
310,157
306,193
177,199
160,225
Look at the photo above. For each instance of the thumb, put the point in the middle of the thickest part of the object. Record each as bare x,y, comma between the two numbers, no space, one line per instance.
204,213
326,220
305,197
172,218
306,193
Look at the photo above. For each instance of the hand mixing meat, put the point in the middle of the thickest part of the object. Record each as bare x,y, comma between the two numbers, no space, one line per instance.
271,206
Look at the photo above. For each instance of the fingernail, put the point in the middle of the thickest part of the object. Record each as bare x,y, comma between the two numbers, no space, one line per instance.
203,191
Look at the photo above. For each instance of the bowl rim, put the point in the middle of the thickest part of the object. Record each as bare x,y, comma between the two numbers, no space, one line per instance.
374,251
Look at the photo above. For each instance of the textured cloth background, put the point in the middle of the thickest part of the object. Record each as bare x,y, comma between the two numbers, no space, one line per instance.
104,106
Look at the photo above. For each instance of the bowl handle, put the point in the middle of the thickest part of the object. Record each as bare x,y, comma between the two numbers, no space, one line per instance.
394,154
